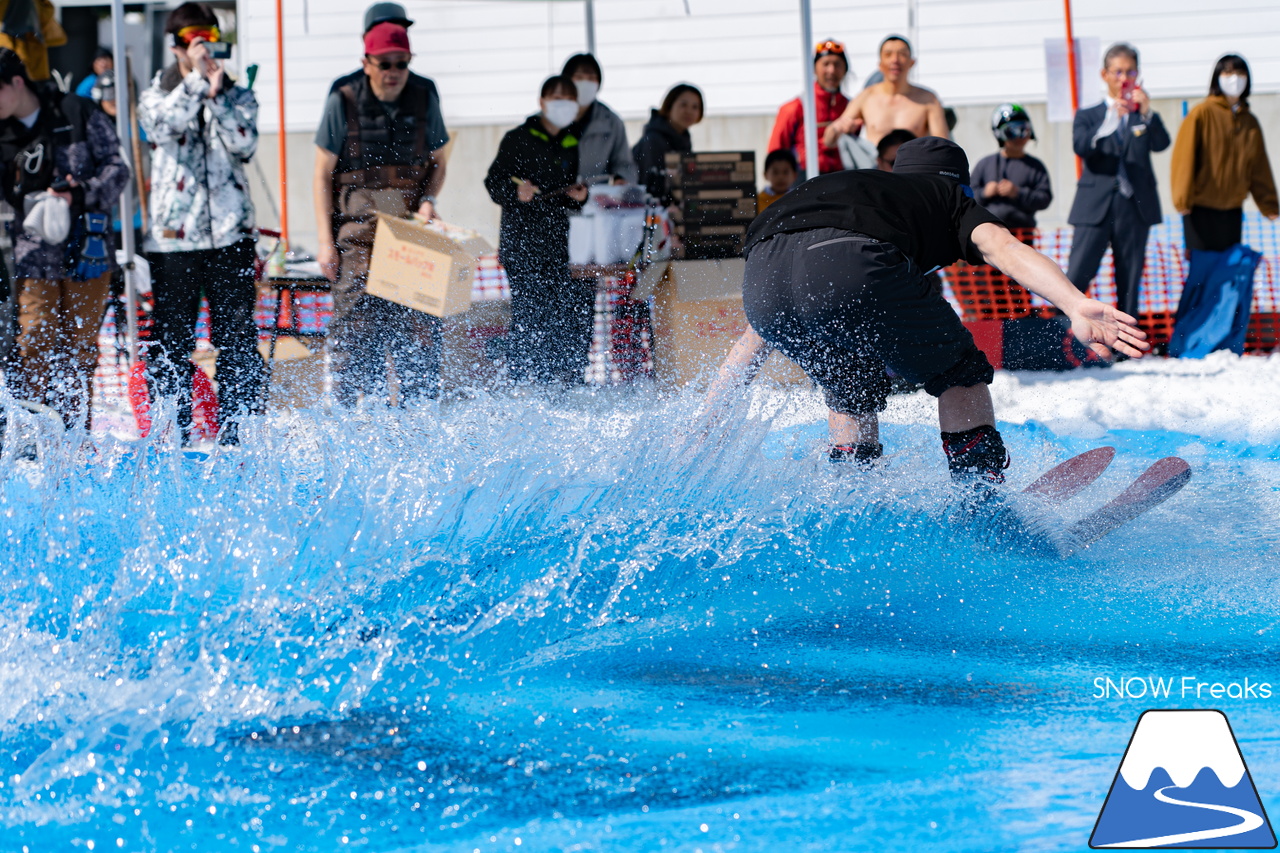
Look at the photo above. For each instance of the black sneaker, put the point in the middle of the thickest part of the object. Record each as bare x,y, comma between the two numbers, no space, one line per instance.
977,453
859,454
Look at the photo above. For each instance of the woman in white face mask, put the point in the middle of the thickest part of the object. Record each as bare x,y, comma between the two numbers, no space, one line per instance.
604,154
1218,160
534,179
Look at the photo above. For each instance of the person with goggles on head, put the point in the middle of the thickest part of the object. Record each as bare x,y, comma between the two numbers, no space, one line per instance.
830,66
1011,183
379,149
203,128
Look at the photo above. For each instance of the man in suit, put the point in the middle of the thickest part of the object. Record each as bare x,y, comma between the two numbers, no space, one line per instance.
1116,200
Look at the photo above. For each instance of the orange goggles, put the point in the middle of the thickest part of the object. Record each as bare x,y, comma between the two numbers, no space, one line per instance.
187,35
827,47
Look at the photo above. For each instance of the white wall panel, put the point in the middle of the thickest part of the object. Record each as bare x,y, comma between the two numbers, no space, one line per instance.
488,56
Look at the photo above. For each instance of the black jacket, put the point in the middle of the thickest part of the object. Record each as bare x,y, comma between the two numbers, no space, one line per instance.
1026,173
650,153
1102,163
534,233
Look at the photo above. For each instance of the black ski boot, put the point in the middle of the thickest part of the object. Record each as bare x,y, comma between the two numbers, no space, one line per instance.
862,455
976,455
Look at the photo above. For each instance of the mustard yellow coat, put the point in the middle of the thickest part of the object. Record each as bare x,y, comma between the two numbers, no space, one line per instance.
33,49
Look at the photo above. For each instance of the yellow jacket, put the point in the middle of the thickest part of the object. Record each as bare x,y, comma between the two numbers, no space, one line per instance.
33,50
764,198
1219,159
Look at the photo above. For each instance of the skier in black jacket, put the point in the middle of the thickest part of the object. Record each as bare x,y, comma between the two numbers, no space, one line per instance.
533,178
836,280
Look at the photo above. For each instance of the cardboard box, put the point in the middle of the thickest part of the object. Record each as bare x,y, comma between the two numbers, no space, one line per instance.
424,267
697,318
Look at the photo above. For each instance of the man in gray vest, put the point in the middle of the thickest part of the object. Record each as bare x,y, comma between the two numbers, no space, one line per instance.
379,150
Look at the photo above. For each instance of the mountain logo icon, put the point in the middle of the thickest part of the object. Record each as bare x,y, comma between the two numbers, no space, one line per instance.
1183,783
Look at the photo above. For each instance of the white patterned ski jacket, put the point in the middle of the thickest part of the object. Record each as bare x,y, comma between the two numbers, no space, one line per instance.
199,195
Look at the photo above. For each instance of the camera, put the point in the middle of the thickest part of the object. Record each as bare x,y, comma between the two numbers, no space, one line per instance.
218,49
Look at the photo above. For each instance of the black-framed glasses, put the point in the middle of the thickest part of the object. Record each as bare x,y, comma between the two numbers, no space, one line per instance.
387,66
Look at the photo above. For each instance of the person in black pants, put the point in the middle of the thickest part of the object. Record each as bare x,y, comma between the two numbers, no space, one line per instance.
836,280
224,275
1116,200
533,178
203,129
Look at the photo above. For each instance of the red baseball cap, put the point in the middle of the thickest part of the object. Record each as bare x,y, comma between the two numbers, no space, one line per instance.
386,38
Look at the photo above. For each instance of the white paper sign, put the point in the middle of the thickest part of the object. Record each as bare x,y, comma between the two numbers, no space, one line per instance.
1058,84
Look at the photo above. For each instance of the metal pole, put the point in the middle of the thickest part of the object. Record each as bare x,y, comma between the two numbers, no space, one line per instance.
125,132
806,97
1072,73
591,27
284,158
913,26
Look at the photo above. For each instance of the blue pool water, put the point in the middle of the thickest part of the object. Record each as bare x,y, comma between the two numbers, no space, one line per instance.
570,625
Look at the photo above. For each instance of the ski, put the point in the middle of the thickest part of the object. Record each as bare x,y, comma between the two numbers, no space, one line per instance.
1068,479
1153,487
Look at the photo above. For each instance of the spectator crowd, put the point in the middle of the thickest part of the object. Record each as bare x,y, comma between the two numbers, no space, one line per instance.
380,149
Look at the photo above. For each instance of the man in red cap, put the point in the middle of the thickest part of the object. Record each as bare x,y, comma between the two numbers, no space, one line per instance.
379,149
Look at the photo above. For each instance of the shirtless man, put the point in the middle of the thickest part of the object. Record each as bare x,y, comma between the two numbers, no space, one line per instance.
892,103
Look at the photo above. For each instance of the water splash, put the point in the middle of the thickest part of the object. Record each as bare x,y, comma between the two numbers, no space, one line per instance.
393,614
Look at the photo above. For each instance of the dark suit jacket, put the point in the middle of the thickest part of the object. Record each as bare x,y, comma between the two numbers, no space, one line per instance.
1102,162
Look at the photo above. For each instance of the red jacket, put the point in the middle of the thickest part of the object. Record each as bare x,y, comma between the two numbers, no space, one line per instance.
788,129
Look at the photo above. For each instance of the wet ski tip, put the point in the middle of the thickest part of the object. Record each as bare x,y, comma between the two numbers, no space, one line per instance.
1161,481
1071,477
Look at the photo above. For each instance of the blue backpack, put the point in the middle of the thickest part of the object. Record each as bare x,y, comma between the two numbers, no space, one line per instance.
1213,312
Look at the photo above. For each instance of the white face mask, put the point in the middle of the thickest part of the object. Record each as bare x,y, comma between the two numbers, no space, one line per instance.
587,90
560,113
1232,85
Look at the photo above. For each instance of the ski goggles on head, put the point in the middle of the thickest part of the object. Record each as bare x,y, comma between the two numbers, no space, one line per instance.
186,35
828,48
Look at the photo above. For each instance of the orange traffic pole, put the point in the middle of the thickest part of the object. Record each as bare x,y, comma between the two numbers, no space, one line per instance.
1071,72
284,169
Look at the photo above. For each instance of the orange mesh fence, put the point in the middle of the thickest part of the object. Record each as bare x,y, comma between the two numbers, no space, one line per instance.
983,293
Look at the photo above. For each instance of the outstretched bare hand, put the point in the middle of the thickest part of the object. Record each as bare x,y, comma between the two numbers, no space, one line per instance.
1106,329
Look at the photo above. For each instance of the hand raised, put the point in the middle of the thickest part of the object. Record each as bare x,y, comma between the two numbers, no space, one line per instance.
1106,329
